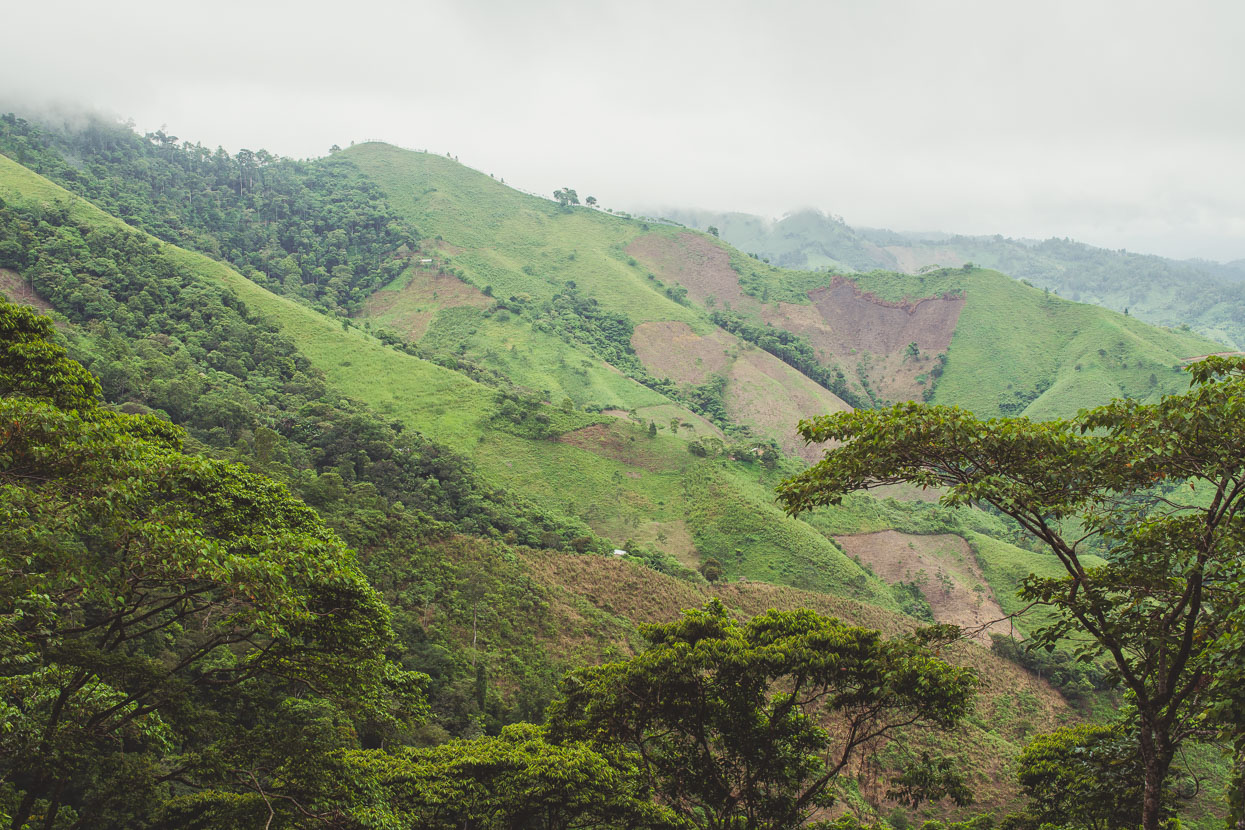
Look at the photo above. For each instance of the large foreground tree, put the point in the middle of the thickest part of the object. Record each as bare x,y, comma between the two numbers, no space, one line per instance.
156,608
729,721
1156,489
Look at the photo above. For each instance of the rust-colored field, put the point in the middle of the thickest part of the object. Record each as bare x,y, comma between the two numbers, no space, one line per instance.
943,566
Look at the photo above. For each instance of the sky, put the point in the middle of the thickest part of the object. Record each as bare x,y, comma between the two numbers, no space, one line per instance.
1120,123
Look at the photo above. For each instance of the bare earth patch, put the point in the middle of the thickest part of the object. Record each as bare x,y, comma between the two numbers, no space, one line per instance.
19,291
943,566
671,349
629,588
761,390
613,441
851,327
695,263
411,308
673,537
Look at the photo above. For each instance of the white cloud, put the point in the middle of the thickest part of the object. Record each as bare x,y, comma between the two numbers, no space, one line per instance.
1114,122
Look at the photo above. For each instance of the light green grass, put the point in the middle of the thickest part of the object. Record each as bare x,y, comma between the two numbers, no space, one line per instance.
1005,567
536,360
739,524
1012,340
503,231
22,186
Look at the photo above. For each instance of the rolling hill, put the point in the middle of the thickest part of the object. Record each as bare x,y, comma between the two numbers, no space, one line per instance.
1207,297
571,382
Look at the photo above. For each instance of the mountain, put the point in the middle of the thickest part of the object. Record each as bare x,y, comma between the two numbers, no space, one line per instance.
1205,296
486,393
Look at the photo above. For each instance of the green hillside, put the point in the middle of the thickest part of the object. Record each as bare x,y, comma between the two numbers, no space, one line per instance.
1207,297
507,280
1021,351
1014,350
485,394
611,474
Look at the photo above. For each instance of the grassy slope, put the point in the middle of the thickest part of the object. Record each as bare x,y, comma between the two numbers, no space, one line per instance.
621,481
729,507
1012,340
516,245
502,230
1165,291
1016,349
615,492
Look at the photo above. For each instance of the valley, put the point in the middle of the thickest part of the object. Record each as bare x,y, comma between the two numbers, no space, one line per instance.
488,395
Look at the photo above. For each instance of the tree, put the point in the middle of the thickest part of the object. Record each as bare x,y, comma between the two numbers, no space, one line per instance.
713,231
140,583
517,779
727,718
1083,776
591,201
33,365
566,197
1157,489
711,569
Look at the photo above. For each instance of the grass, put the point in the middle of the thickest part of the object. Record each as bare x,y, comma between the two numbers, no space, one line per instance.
1005,566
1018,350
624,482
518,246
516,243
737,522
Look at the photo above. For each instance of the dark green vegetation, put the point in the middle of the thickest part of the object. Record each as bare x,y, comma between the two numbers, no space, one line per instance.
481,410
725,749
313,230
155,602
1159,487
184,644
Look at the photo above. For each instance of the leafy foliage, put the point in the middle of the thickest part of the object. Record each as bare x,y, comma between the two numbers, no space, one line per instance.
317,230
727,719
1083,776
517,779
577,317
1118,474
141,584
1076,679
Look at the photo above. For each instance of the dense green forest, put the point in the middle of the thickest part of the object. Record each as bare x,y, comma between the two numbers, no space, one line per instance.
319,231
160,341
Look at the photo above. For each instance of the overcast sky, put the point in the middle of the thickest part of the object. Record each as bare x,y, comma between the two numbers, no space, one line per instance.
1118,123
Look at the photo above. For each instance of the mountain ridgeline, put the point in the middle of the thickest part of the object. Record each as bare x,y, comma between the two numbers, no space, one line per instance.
1206,297
487,397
